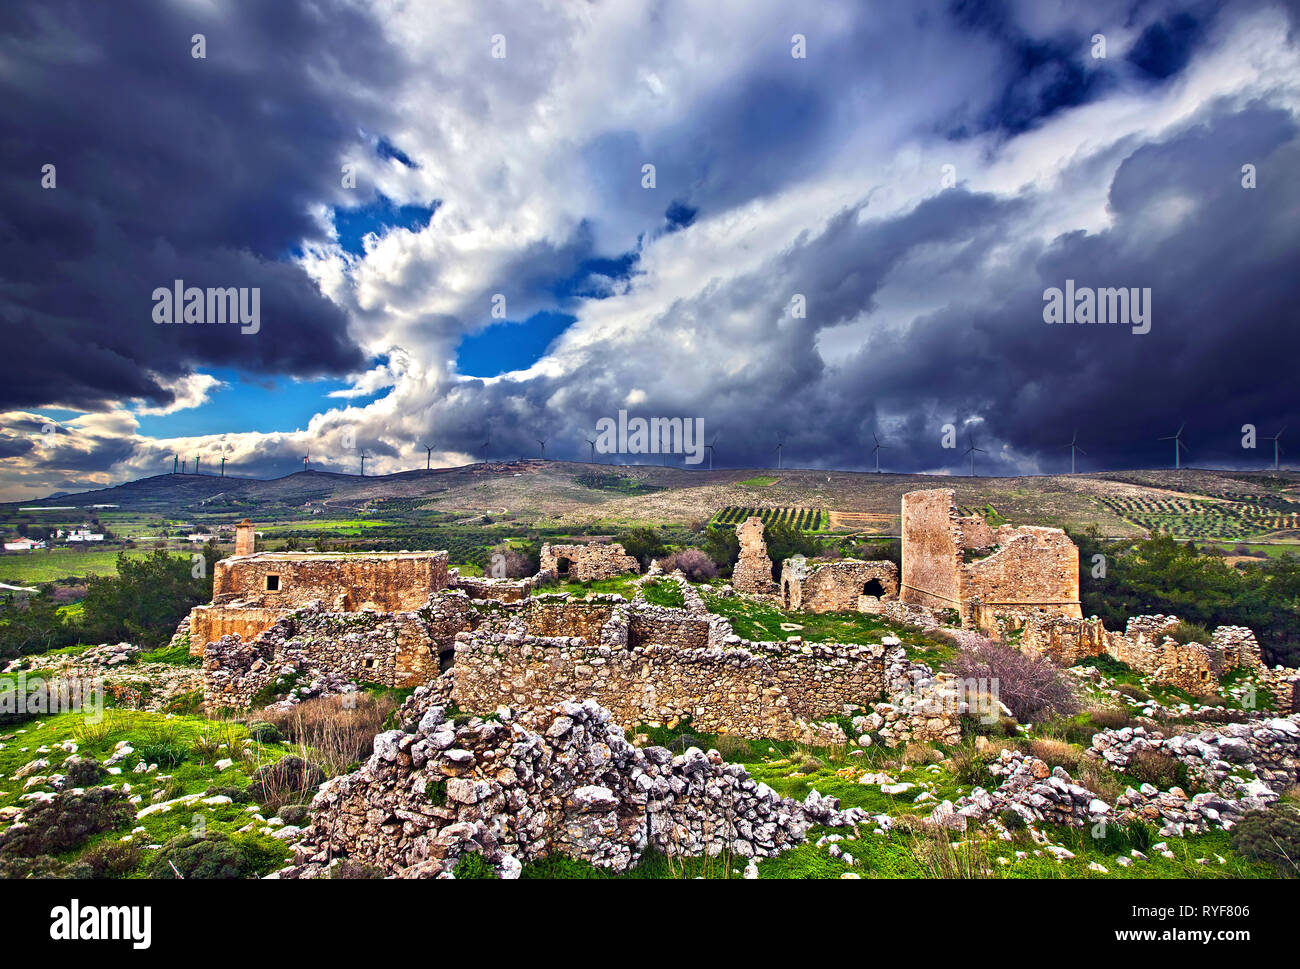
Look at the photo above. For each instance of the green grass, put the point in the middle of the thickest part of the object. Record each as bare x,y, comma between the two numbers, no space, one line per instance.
36,567
664,594
761,481
623,585
156,734
765,623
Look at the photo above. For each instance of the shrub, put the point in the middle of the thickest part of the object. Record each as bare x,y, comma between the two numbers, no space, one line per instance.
1158,768
1108,719
339,730
112,859
694,563
1011,820
1033,689
215,856
683,741
1191,632
83,772
285,781
352,870
1271,836
970,767
61,824
162,747
733,748
263,732
295,813
473,866
1057,753
1133,692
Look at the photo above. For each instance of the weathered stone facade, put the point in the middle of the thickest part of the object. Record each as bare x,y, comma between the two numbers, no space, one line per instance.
586,563
398,649
846,585
251,592
1146,646
949,561
657,666
753,570
1063,639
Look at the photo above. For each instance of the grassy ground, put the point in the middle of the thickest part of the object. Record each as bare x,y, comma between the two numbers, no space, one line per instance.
762,622
33,568
185,748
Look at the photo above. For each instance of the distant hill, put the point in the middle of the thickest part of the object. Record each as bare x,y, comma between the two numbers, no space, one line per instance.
1207,504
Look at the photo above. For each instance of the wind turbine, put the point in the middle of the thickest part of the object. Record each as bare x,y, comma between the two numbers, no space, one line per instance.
184,464
779,445
175,460
306,461
1074,446
428,457
876,451
485,448
363,464
543,446
1277,448
709,447
971,451
593,448
223,465
196,464
1179,446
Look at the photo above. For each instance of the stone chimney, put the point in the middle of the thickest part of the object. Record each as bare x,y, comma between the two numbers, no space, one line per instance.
244,538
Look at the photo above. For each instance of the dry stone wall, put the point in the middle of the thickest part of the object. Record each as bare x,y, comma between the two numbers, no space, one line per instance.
752,689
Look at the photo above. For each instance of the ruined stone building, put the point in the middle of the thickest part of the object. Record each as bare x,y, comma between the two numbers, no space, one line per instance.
586,563
846,585
251,590
753,570
951,562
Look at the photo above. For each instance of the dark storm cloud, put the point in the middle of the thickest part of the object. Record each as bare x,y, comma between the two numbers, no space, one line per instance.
170,167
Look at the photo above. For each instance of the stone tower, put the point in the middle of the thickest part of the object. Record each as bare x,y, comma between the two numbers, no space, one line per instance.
244,538
753,571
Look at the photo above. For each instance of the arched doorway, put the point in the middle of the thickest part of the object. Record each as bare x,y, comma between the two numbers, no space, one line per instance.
562,567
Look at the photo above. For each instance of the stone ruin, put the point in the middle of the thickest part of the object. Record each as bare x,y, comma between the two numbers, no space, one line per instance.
964,564
587,563
564,782
753,570
845,585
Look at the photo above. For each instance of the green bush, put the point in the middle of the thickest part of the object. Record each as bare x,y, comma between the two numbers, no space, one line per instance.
1271,836
63,823
1160,769
216,856
473,867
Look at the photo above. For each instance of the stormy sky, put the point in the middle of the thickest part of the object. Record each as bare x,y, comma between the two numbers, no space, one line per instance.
856,210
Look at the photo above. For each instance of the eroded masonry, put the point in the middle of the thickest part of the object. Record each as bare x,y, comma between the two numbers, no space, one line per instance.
406,619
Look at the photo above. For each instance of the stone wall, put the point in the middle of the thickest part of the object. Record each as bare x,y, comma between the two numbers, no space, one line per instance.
398,649
753,570
1063,639
1026,568
384,582
499,590
585,563
1146,647
207,624
751,689
837,586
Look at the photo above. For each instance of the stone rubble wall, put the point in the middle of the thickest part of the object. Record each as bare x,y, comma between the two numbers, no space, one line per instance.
435,791
753,570
588,562
498,590
1063,639
398,649
836,586
751,689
